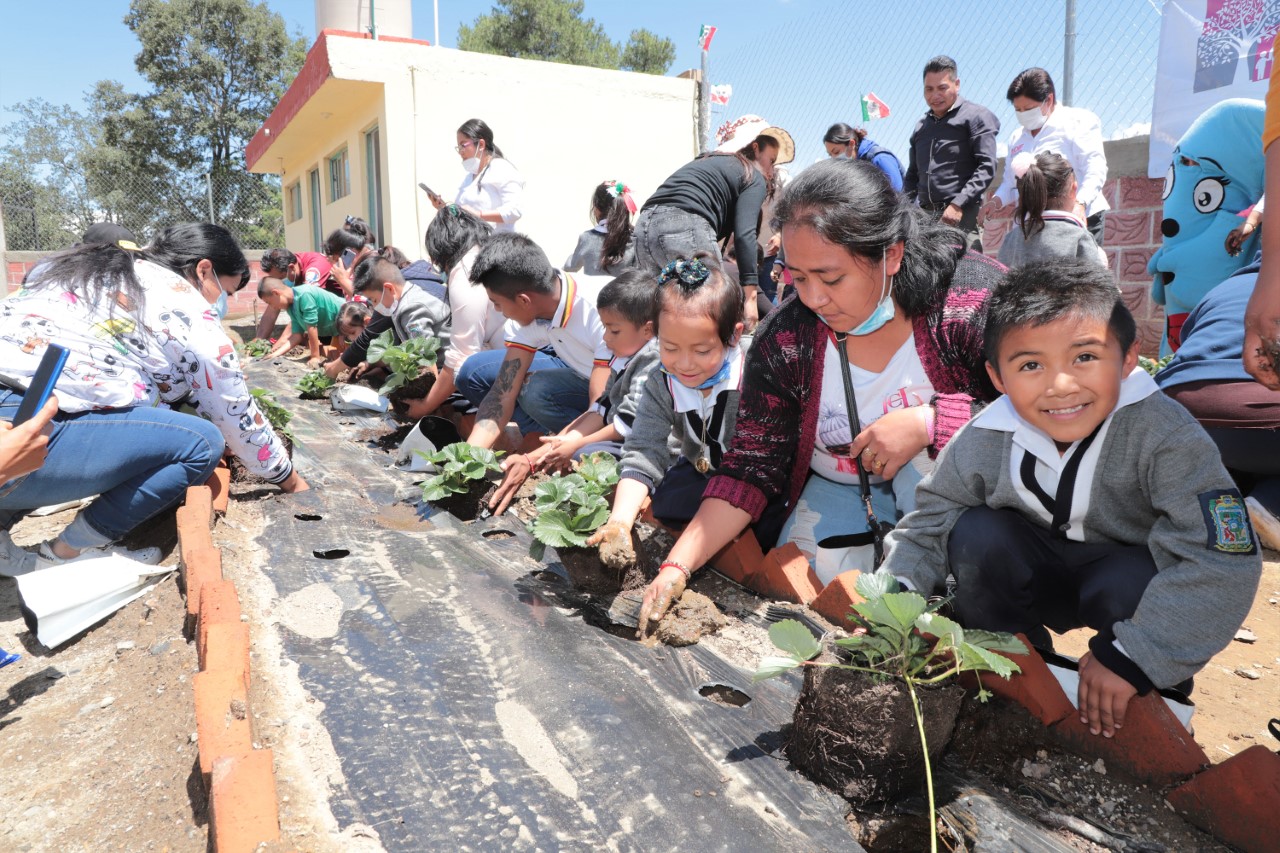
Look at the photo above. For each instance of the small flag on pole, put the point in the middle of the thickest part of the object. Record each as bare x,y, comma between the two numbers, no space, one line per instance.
705,37
721,94
873,107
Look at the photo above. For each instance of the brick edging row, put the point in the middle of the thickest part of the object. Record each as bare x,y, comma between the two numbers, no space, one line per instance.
238,779
1238,800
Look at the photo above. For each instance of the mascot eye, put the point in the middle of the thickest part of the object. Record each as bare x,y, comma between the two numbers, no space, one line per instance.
1168,182
1208,195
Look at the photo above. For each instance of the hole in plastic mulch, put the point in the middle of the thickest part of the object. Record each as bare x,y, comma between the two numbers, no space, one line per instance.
331,553
723,694
308,516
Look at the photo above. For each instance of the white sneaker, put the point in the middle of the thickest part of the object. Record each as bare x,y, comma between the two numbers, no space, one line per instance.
44,556
14,561
1266,525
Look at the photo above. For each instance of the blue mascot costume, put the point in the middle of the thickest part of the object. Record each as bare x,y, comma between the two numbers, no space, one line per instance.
1217,173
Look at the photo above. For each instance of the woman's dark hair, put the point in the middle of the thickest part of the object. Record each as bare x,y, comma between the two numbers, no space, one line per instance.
842,134
1047,179
1034,83
395,256
97,271
746,156
632,295
474,128
452,234
851,203
1044,291
614,209
361,229
718,297
340,240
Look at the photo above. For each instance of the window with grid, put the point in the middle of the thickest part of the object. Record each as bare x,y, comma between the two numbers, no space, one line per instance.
339,176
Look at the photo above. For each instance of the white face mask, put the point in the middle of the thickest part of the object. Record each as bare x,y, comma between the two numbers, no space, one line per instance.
386,310
1032,119
471,164
843,155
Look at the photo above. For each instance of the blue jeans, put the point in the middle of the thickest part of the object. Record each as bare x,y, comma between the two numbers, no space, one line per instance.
664,233
139,462
552,397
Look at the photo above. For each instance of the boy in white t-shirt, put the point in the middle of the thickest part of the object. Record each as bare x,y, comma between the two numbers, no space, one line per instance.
551,309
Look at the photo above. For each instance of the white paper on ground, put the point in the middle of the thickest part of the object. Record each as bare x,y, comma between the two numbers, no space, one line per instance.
357,398
1070,681
65,599
416,441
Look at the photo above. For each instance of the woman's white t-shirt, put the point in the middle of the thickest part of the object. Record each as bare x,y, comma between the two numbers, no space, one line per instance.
901,385
498,188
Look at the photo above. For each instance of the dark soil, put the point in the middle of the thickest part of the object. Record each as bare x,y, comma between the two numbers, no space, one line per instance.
389,442
466,506
590,575
240,474
413,390
691,617
323,395
857,735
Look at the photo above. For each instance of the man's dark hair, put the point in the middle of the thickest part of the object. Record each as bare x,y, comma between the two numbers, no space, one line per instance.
373,271
632,295
452,234
277,261
510,264
1034,83
942,62
1045,291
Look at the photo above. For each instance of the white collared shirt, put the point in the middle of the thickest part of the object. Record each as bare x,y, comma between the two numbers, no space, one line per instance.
1049,463
575,331
1074,133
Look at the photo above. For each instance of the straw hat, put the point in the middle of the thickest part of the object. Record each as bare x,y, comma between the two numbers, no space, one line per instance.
735,135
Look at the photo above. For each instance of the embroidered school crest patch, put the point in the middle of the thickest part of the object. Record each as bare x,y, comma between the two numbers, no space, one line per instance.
1227,522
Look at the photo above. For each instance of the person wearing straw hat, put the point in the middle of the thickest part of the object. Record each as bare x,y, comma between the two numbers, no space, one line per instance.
716,196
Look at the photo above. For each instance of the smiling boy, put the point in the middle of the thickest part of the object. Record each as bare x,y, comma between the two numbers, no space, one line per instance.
1084,497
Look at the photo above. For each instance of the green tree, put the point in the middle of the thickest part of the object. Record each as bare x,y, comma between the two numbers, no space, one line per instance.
555,31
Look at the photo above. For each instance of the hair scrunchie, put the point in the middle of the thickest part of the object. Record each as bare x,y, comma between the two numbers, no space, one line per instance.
690,271
618,189
1021,163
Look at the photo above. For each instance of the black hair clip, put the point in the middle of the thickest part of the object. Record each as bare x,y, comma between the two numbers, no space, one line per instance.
689,271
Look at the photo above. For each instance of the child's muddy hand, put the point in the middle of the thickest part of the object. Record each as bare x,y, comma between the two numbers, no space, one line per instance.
614,540
665,589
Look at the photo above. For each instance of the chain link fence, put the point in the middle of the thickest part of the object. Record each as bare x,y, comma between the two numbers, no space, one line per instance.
830,58
41,218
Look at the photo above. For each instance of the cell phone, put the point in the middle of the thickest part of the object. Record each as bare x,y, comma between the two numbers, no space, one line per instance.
348,257
430,192
55,357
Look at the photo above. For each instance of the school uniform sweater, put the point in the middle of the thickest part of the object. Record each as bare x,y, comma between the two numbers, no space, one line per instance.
1063,236
627,376
1158,481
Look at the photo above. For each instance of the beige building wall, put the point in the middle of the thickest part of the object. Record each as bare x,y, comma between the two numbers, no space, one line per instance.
566,128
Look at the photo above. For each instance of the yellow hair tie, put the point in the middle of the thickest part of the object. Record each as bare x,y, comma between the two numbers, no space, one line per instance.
129,245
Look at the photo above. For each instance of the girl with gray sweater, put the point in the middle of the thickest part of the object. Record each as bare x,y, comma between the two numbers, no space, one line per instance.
1045,224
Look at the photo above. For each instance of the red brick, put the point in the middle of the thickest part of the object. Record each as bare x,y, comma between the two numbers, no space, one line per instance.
740,560
195,518
199,567
1157,236
1128,228
219,605
837,597
219,484
785,574
1138,192
242,802
1133,265
1151,747
1237,800
1110,193
1137,298
226,649
1035,688
1151,332
222,717
199,503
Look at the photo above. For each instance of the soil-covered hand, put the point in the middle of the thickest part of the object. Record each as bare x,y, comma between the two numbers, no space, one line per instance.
891,442
515,470
1103,697
23,448
1262,332
614,541
334,368
557,454
665,590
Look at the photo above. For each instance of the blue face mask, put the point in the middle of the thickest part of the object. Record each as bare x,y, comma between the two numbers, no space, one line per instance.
720,375
221,305
885,310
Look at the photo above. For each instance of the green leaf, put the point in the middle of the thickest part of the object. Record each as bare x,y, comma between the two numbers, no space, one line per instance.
995,641
948,631
871,585
599,471
794,638
555,528
394,381
977,658
771,667
590,517
550,494
537,549
903,609
379,346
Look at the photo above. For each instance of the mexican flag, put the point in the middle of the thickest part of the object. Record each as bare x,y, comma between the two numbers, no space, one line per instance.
705,37
873,107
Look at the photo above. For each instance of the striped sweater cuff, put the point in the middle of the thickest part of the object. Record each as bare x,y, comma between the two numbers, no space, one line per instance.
951,411
737,493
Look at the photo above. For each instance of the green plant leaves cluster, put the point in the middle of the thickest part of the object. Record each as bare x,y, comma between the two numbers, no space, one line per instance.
314,384
460,465
277,415
1153,366
405,361
256,348
572,506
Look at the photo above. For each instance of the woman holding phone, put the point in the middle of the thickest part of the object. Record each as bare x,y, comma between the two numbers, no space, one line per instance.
143,337
492,190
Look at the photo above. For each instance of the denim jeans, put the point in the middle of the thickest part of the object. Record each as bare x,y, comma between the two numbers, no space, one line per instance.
552,397
664,233
139,462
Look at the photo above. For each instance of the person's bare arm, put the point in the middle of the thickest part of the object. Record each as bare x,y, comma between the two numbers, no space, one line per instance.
285,345
440,391
1262,317
313,343
497,406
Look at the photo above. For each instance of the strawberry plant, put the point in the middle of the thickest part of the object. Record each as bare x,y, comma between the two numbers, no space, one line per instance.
405,361
461,466
257,348
1153,366
277,415
315,384
572,506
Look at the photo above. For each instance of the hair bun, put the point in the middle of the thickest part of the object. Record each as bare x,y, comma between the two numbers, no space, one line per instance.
689,271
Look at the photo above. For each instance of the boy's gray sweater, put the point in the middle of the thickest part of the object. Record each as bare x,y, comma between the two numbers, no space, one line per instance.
1159,482
1058,239
624,389
421,315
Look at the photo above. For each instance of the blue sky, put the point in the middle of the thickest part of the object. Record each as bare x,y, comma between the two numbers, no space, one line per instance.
802,64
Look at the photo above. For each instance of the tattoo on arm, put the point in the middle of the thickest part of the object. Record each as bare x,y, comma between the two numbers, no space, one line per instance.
491,407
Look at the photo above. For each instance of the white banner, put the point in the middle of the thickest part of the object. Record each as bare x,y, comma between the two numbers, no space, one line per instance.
1210,50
